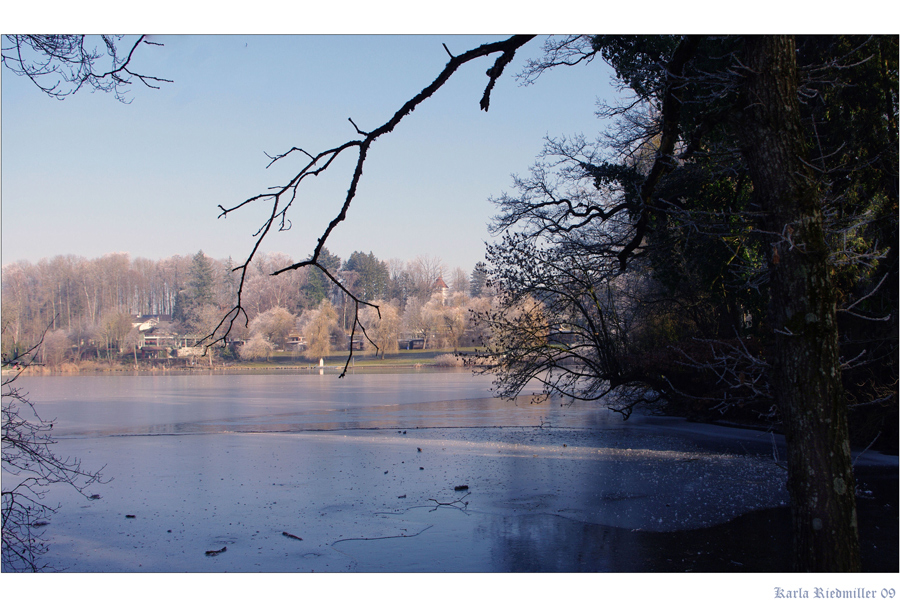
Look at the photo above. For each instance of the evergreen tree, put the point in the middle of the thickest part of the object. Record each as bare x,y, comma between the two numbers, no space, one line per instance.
372,275
479,278
201,283
199,292
317,286
229,280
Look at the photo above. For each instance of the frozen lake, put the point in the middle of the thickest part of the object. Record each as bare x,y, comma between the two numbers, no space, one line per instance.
308,472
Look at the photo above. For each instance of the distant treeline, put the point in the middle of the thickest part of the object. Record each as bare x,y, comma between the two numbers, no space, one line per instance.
96,300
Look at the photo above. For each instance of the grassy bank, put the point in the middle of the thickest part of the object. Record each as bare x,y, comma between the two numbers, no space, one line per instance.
404,358
277,361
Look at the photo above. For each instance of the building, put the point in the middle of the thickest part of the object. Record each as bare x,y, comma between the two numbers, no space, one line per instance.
441,286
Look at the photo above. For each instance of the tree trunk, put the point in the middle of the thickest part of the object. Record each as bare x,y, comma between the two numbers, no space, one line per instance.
806,375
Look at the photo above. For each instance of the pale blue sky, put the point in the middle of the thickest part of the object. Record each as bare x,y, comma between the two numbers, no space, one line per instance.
89,175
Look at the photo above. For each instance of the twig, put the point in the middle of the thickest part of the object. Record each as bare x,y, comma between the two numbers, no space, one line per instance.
453,503
775,452
867,448
385,537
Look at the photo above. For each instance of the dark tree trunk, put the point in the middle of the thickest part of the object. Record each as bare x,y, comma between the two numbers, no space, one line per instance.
806,374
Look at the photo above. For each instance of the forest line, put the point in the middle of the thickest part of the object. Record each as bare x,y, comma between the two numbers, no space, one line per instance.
92,308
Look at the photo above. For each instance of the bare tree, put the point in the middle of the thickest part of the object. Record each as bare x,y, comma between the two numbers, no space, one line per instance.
383,326
55,347
256,347
114,327
61,65
459,281
423,272
564,316
275,325
30,467
319,331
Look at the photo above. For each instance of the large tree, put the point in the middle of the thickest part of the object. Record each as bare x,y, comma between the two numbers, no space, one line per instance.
805,365
741,162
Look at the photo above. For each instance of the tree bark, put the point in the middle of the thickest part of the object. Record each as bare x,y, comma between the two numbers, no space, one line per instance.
806,373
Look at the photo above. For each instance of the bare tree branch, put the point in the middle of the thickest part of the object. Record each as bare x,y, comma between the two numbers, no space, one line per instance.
51,60
283,197
33,467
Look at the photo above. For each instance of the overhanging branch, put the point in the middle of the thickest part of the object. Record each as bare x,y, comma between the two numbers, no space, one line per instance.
283,197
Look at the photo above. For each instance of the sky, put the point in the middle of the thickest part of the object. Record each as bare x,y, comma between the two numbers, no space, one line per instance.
90,175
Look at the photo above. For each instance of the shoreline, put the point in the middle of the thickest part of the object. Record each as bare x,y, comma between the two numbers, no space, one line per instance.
416,359
374,365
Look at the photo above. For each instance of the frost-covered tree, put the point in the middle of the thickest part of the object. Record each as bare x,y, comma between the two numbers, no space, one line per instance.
256,347
55,347
62,64
383,330
275,325
319,331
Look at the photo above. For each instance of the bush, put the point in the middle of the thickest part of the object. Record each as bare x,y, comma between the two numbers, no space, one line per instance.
448,360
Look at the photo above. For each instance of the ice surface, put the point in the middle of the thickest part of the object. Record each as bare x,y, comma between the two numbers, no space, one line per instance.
365,473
